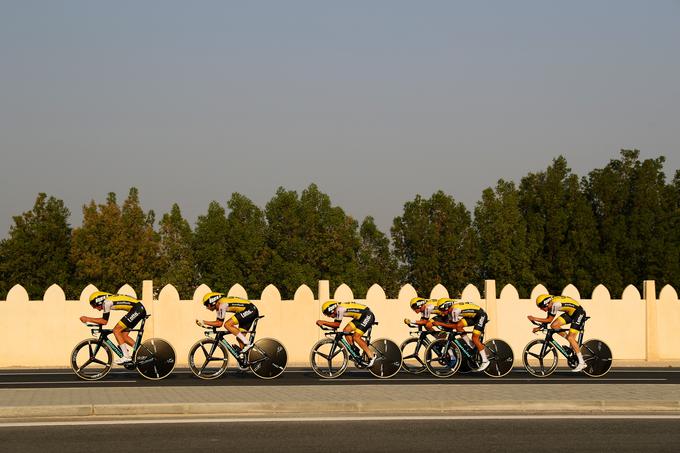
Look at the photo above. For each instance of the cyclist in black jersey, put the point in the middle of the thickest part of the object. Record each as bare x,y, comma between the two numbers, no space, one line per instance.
106,302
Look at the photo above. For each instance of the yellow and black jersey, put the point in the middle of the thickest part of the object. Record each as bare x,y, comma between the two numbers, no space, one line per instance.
465,310
435,307
120,302
232,305
350,310
564,304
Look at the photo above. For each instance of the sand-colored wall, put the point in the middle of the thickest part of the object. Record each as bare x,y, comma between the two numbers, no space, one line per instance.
43,333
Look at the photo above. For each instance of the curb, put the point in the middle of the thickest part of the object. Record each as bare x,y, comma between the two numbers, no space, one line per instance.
381,408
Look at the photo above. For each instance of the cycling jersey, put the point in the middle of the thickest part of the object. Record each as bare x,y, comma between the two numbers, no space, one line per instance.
133,307
433,307
245,312
363,317
572,312
470,314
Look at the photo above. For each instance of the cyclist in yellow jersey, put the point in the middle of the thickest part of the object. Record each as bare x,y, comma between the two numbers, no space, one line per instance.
106,302
572,313
427,308
245,312
362,320
464,314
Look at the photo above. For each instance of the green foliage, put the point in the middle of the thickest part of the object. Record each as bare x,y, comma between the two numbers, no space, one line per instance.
376,262
502,233
435,242
36,253
115,245
176,260
561,229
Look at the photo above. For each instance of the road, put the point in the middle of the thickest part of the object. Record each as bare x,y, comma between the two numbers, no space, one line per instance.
182,377
373,434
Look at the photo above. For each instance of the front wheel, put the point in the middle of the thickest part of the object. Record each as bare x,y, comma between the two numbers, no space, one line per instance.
388,359
328,358
155,359
443,358
91,360
208,358
540,358
413,355
500,358
268,358
598,358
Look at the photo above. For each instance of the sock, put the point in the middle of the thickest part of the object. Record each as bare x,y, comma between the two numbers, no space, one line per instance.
243,338
468,341
482,354
126,350
580,358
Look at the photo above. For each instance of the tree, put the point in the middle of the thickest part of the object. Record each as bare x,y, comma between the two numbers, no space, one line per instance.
502,234
176,262
247,241
561,230
36,253
435,242
115,245
376,262
214,259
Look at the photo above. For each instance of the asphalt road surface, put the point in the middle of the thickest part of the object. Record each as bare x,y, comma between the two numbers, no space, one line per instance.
182,377
508,434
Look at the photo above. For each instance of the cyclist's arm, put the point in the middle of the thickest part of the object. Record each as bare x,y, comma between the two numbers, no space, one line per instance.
100,321
217,323
546,320
447,325
333,324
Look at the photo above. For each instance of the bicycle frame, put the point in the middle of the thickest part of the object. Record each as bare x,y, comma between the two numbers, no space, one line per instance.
220,338
550,333
455,337
341,338
103,338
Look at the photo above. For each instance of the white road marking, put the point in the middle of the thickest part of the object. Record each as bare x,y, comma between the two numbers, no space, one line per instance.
462,380
62,382
335,419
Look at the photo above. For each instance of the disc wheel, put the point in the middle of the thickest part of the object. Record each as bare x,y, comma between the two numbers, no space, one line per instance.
91,361
598,358
388,359
328,359
537,361
155,359
268,358
208,358
413,356
500,358
443,361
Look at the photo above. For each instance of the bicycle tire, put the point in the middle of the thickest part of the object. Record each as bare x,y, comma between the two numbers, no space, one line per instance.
413,362
268,358
439,362
95,372
536,367
500,357
388,359
155,359
208,349
322,351
598,357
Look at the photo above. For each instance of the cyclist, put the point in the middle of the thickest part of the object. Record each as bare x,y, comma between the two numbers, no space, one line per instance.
428,307
463,314
245,312
572,314
362,320
100,300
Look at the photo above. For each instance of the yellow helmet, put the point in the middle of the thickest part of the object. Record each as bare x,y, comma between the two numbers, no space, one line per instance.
97,298
543,300
417,302
329,307
210,299
444,304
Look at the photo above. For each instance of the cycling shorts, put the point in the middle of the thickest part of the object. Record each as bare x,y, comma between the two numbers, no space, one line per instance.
245,318
132,317
577,320
364,322
479,322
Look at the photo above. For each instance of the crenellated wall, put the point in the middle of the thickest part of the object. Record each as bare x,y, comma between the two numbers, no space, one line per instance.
43,333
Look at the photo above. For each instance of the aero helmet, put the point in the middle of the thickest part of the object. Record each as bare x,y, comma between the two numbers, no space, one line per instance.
97,298
543,300
417,302
444,304
329,307
210,299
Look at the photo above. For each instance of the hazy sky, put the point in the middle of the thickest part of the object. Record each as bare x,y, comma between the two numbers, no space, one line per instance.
375,101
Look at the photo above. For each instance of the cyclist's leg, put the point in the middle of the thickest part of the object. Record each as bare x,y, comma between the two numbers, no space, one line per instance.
232,325
363,324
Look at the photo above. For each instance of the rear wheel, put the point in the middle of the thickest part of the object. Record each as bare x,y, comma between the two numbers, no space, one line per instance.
443,358
598,358
155,359
268,358
208,358
540,358
90,360
328,359
500,357
388,359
